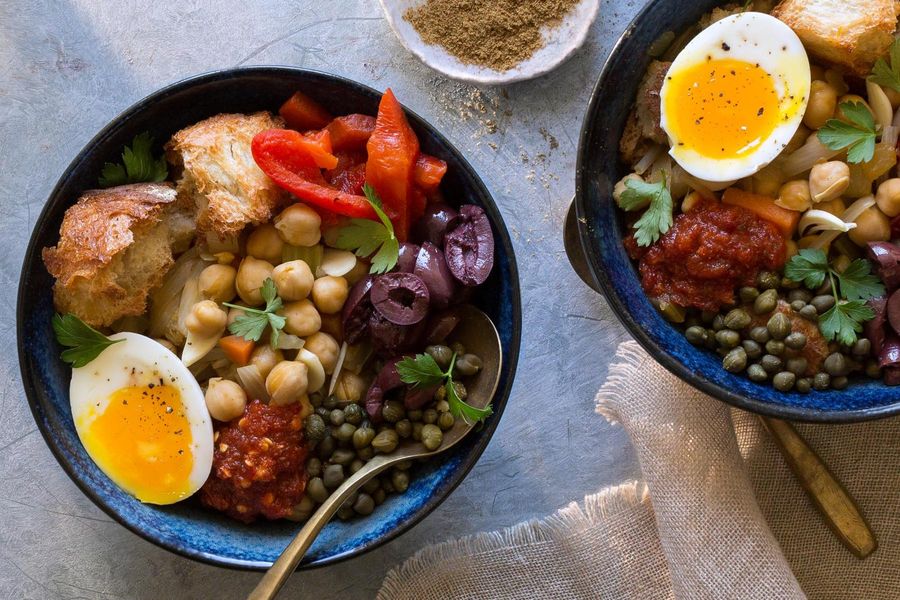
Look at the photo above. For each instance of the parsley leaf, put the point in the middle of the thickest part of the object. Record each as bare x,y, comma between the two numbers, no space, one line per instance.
139,165
844,320
657,219
888,75
858,136
423,371
253,323
84,343
365,237
858,283
809,266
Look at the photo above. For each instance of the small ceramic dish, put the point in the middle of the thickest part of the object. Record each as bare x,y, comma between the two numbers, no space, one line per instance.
561,42
186,527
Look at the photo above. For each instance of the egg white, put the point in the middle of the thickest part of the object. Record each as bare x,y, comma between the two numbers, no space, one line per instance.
139,361
760,39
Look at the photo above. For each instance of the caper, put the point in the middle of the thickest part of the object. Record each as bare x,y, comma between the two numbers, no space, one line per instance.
803,385
336,417
672,312
323,412
768,280
393,411
718,323
775,347
330,402
316,490
354,414
728,339
446,421
386,484
753,350
343,456
403,465
345,432
400,480
748,294
458,348
737,319
835,365
314,467
333,476
779,326
315,428
784,381
468,365
809,313
757,373
789,284
440,393
379,496
371,485
414,415
429,416
760,335
796,365
797,305
432,437
707,316
403,428
364,505
839,383
795,341
802,295
771,364
326,447
316,399
862,347
365,453
363,436
823,303
417,431
442,406
822,381
696,335
735,361
766,302
386,441
711,339
441,354
873,370
345,512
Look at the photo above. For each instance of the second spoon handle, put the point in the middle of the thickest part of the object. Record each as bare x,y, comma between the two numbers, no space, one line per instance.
837,507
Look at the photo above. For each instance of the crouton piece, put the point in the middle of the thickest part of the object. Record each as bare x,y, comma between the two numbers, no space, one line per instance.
720,12
114,248
219,175
643,123
851,34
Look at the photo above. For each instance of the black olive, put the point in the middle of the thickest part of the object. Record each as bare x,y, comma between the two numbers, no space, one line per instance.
431,267
401,298
357,310
469,246
406,258
438,218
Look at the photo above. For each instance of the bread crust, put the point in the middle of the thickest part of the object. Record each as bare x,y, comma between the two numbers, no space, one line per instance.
219,175
95,280
851,34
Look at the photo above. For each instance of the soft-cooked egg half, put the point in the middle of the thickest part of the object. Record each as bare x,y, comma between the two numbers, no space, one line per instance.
735,96
142,418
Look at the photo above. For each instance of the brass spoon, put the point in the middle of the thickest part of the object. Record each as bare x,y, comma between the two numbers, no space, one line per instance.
478,334
835,504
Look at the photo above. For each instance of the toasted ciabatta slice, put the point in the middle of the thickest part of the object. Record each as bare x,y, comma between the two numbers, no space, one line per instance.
851,34
219,175
114,248
643,123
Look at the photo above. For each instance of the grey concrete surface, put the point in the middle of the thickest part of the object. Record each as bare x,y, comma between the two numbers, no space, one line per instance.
69,66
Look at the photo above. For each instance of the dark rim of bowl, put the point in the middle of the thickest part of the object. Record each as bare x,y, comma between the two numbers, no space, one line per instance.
592,253
500,399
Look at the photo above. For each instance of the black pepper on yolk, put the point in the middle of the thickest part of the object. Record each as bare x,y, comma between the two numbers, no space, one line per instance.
721,108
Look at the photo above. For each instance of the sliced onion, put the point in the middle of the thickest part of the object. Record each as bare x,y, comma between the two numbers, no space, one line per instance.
646,161
315,372
164,301
806,157
190,296
881,106
251,379
850,215
890,134
357,356
337,263
287,341
337,368
815,221
196,347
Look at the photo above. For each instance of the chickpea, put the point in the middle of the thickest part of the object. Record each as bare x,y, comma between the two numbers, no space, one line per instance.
251,274
359,270
797,141
294,280
217,282
871,226
768,181
329,293
837,81
821,106
299,225
816,72
620,186
264,243
326,348
233,314
828,180
302,318
265,358
835,207
287,382
350,387
794,195
225,400
888,197
839,114
206,319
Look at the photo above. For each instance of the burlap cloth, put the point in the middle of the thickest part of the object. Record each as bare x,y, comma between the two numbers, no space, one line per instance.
717,515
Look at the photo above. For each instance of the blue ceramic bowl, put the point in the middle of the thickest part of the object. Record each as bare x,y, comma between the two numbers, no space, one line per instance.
601,227
187,528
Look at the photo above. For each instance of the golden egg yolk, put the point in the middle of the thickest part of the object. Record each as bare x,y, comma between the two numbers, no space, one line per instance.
142,441
721,108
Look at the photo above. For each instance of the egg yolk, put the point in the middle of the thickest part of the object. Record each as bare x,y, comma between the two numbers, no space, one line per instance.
142,441
721,108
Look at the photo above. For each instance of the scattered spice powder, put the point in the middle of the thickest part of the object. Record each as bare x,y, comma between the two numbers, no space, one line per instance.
498,34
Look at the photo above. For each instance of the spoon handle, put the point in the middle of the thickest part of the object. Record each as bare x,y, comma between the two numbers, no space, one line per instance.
835,504
282,568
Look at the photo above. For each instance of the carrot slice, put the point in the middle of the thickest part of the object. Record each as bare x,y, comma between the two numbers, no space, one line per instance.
351,132
765,208
237,349
302,113
318,144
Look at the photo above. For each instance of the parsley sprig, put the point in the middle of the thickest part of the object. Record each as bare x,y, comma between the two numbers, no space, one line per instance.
253,323
138,164
858,136
886,74
366,237
423,371
83,342
657,219
850,289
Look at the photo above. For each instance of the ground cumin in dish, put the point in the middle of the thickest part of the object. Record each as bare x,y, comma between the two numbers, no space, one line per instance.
498,34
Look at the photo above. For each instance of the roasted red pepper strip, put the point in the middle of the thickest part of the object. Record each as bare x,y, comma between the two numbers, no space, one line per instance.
428,172
351,132
393,149
318,143
283,156
303,113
